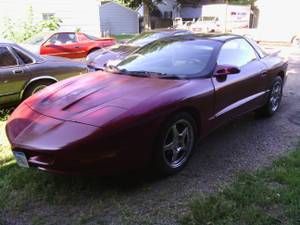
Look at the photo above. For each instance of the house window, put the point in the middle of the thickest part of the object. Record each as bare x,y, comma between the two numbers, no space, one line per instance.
47,16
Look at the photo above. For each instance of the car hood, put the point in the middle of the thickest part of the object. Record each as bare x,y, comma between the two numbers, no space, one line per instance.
97,98
99,58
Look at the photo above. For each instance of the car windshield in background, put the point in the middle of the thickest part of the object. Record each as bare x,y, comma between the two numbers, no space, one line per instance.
91,37
184,59
146,38
37,39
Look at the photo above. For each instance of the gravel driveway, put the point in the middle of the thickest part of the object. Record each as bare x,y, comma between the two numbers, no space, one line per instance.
245,144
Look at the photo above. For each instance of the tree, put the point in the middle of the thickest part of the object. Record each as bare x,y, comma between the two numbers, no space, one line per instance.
148,6
19,32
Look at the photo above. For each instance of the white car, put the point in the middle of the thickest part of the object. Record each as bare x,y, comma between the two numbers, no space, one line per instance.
206,24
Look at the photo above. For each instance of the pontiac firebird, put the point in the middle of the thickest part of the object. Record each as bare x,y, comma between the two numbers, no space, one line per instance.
149,109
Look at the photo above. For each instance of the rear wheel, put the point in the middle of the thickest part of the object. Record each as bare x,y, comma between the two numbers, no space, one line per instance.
296,41
175,144
274,99
36,87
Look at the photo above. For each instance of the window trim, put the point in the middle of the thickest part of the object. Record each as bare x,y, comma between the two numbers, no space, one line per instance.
13,55
23,63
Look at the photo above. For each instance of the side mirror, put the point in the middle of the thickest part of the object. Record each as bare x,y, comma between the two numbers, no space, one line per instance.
224,70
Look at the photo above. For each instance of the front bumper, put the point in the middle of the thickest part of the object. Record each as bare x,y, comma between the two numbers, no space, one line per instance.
59,146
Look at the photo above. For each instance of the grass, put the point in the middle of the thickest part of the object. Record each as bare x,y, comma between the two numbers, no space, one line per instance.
123,37
267,197
4,114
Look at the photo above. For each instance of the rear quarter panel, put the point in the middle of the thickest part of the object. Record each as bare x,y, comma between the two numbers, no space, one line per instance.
276,66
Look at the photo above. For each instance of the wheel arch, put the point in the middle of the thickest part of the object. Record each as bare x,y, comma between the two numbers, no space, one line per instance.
281,74
193,112
34,80
94,48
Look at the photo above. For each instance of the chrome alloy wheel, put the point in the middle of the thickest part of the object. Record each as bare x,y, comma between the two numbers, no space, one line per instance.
178,143
276,94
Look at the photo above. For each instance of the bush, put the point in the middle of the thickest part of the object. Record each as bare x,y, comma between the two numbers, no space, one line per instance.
20,33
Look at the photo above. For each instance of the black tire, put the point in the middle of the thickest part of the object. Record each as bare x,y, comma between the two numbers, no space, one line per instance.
274,99
35,87
185,144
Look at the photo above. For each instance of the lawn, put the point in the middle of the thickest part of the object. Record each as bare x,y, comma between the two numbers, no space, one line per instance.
124,37
268,197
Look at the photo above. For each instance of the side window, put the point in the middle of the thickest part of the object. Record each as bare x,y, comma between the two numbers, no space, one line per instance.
26,59
6,58
53,39
236,52
62,38
66,38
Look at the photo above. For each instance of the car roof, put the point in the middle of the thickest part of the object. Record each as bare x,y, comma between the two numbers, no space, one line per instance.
167,30
3,41
222,37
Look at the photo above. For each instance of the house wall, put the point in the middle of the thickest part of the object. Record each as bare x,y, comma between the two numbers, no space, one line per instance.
74,14
116,19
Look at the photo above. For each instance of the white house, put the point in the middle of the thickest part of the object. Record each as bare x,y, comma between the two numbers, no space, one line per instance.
83,15
117,19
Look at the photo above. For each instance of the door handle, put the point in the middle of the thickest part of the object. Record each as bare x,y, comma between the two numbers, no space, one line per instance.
76,47
17,71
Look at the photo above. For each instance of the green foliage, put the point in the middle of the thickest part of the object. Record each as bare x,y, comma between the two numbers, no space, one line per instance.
17,32
4,114
242,2
269,197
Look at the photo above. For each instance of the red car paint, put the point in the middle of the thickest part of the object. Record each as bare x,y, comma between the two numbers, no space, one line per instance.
81,46
103,123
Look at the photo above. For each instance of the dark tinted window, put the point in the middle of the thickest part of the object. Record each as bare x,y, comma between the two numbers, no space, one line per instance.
182,58
6,58
62,38
236,52
26,59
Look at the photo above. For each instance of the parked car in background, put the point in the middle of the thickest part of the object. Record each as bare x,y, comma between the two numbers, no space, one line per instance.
97,60
150,109
23,73
67,44
205,24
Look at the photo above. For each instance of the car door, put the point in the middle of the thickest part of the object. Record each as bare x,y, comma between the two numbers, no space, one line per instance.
13,75
242,92
62,44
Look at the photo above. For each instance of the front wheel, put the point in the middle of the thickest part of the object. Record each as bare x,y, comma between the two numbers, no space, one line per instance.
176,142
296,41
274,99
36,87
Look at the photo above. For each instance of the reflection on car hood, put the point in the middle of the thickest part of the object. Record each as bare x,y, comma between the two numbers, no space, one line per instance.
98,58
102,96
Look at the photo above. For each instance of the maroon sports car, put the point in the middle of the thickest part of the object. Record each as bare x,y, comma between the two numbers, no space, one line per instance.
149,109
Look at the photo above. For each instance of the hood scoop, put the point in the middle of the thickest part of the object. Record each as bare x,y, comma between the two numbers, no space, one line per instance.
78,96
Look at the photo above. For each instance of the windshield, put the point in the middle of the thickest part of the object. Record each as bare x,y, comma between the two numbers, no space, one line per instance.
184,58
145,38
37,39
